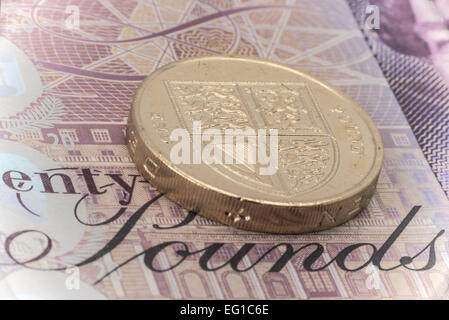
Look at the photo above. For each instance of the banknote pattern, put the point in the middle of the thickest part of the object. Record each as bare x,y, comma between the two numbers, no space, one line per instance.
412,49
100,231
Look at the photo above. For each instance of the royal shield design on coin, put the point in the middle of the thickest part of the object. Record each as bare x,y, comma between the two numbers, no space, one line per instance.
307,151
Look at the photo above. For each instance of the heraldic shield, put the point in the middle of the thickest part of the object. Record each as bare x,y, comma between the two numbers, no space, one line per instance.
307,150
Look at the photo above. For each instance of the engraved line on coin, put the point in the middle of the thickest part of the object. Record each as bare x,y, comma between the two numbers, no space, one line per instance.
258,119
353,131
356,206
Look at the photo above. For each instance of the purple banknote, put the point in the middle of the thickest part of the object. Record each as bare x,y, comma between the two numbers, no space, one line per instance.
76,218
411,45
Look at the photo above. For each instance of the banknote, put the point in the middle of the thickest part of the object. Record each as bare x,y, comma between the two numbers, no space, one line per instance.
411,45
78,221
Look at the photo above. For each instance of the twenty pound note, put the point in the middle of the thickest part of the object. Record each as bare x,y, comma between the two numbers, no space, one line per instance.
78,221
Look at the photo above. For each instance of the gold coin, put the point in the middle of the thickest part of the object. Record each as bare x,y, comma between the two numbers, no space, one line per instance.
254,144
